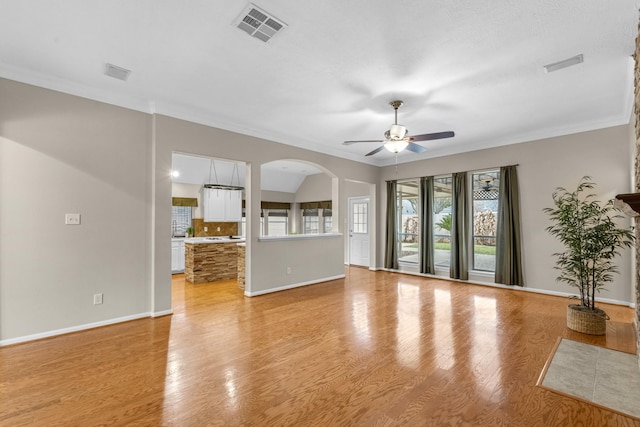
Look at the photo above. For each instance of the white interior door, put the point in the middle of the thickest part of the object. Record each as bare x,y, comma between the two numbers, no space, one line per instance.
359,231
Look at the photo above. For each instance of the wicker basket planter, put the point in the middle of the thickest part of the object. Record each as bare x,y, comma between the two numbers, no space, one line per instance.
582,319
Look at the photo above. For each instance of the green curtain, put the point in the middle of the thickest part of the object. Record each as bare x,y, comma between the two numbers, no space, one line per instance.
508,241
391,252
316,205
184,201
273,205
426,226
459,267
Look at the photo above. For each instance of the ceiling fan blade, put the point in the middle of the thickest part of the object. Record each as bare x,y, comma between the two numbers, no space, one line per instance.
416,148
431,136
366,140
377,150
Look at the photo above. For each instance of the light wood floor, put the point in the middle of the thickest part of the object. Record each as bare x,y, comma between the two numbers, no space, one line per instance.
376,348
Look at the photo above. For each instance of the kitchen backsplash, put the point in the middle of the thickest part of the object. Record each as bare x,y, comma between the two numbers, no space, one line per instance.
226,228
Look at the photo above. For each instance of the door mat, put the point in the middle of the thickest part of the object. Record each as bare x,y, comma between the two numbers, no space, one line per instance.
600,376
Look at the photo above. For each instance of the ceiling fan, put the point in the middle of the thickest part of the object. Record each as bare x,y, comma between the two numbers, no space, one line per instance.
488,183
396,138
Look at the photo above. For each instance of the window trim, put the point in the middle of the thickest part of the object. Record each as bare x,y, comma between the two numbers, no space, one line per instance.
399,222
264,220
435,265
470,244
472,240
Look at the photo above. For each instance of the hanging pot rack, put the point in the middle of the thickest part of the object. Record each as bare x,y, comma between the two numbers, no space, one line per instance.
217,186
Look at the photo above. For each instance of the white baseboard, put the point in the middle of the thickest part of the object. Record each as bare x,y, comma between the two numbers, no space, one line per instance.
162,313
346,264
514,288
293,285
62,331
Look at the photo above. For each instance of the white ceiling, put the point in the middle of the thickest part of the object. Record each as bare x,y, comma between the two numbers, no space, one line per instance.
474,67
280,175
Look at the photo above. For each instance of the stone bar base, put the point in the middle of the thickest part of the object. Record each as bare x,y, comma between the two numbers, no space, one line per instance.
241,266
208,262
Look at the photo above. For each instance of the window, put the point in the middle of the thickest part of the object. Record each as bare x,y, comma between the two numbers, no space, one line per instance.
485,219
327,222
274,218
180,220
484,215
408,223
442,220
310,221
360,220
274,222
277,222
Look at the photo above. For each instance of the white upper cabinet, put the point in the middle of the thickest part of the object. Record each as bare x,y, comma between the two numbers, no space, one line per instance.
233,206
213,204
222,205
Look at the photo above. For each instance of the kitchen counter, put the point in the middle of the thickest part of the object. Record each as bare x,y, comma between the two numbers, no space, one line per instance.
214,239
210,259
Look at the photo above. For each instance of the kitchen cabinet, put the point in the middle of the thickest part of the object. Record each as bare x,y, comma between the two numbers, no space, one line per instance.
222,205
177,255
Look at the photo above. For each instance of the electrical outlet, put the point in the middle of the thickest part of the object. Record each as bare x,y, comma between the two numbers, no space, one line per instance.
72,219
97,299
288,270
218,229
206,229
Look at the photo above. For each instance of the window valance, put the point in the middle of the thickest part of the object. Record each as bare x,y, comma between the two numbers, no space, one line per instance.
275,205
271,205
184,201
316,205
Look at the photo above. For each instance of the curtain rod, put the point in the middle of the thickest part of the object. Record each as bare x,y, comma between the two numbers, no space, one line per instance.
473,170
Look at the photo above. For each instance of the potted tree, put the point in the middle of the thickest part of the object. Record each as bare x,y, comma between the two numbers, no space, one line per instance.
592,240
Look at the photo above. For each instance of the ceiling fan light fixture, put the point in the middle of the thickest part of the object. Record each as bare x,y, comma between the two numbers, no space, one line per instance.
397,132
396,138
396,146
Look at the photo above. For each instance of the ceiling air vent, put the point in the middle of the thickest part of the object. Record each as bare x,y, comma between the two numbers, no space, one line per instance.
116,72
259,24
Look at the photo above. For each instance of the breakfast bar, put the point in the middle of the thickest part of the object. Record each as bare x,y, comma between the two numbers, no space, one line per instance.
208,259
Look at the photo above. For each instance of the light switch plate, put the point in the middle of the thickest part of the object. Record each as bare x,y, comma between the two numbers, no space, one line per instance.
72,219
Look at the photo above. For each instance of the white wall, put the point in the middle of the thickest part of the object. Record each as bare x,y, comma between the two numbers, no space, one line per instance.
277,196
543,166
314,188
356,189
284,197
63,154
267,262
